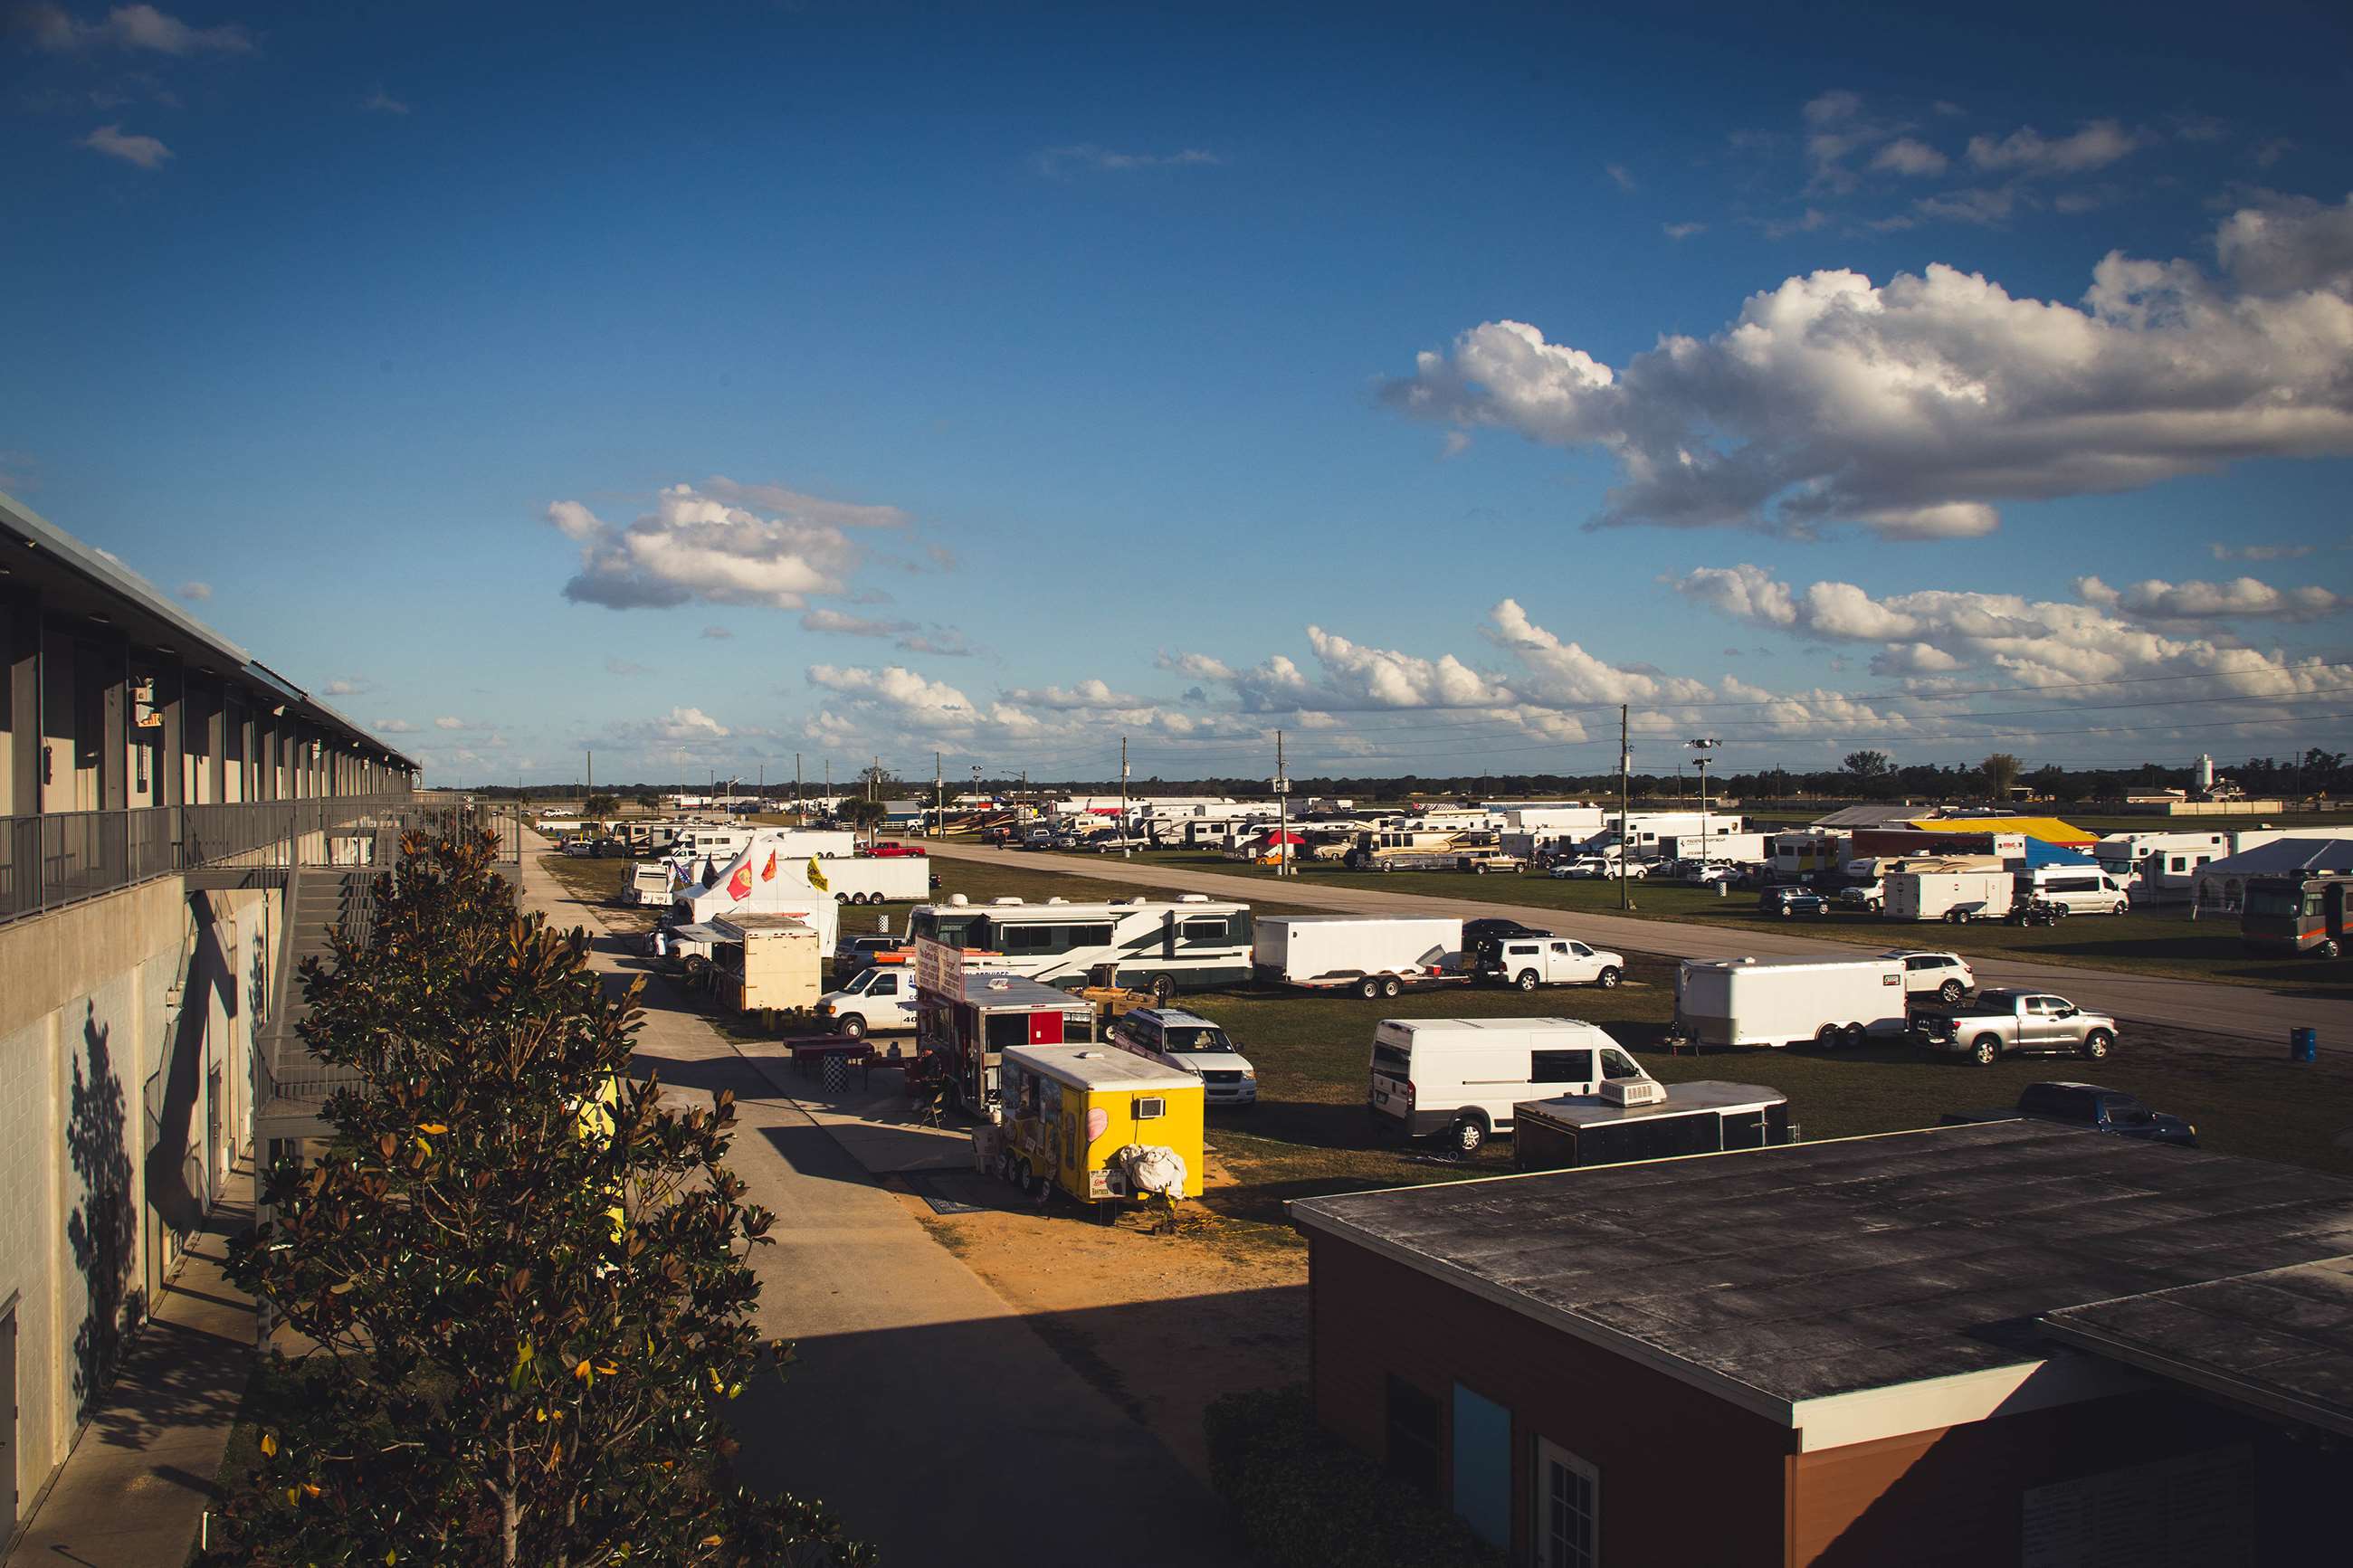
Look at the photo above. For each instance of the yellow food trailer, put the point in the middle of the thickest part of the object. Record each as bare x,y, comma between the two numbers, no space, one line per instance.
1098,1123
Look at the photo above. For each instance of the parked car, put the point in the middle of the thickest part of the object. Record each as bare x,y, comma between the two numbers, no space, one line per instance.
1788,900
1711,873
580,849
2088,1105
1479,931
1868,896
853,953
1190,1043
1530,961
2012,1022
1597,868
1946,976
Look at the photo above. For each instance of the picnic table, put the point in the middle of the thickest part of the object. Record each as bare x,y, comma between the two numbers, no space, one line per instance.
810,1054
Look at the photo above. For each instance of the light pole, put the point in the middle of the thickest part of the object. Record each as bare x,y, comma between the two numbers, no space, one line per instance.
1704,747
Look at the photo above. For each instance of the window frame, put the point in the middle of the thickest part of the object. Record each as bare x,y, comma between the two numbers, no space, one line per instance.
1548,1456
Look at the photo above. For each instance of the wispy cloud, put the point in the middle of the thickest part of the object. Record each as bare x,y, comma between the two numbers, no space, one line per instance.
196,592
717,634
1682,230
382,102
1623,176
1086,158
143,151
53,27
2259,551
348,686
617,666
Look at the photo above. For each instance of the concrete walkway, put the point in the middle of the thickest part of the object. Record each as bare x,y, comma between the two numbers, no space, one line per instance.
926,1412
2246,1012
141,1475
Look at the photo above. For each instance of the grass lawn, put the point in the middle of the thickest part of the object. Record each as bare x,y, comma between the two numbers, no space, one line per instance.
2167,943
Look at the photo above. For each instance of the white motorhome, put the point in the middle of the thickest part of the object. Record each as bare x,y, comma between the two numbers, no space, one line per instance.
1780,1001
1644,833
1374,955
1792,855
1939,895
2162,867
1462,1077
1190,944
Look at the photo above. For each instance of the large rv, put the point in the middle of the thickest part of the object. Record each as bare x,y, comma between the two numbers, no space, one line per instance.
2298,911
1190,944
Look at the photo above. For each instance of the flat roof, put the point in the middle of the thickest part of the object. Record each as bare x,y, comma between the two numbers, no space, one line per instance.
1683,1100
1794,961
1100,1066
2279,1340
983,989
1794,1277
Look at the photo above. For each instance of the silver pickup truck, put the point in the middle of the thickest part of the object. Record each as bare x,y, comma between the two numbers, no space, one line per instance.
2015,1023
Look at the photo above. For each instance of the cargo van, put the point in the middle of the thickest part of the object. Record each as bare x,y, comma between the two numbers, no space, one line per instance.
2078,889
1461,1076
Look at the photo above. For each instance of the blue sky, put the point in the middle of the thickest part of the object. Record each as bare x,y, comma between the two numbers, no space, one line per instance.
1037,375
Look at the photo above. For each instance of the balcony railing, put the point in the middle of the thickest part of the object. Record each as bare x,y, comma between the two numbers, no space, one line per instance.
63,858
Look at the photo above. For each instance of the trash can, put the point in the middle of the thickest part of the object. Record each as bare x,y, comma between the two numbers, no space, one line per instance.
2303,1045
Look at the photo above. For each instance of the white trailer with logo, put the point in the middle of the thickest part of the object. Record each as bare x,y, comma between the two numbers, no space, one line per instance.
1832,1001
1958,897
875,878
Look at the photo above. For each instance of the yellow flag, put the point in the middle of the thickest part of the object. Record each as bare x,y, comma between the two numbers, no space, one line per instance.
817,878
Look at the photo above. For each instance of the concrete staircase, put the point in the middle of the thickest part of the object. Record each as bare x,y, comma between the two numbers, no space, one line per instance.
319,900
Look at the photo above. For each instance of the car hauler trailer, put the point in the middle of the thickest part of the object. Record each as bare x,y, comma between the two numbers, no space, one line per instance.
1778,1001
971,1018
1373,955
1640,1121
1097,1124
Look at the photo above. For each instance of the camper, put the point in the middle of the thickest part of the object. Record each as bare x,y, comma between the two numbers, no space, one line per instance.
1463,1077
652,882
1098,1124
1832,1002
2078,889
1191,942
1373,955
1639,1121
765,963
971,1017
1956,896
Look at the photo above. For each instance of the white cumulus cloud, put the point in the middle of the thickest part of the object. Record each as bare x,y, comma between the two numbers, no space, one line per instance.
1916,407
697,546
53,27
142,151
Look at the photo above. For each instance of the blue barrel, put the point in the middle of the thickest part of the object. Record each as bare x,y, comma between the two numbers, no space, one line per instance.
2303,1045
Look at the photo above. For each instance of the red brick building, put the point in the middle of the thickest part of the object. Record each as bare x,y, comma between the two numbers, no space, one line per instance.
1833,1353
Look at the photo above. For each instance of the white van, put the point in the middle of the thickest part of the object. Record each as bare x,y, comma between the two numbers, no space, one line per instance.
877,1001
1461,1076
1190,1043
2078,889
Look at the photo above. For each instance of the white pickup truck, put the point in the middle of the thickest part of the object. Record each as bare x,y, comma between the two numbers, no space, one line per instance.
1530,961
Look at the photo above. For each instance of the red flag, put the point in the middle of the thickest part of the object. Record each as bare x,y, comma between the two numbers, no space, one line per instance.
739,885
768,871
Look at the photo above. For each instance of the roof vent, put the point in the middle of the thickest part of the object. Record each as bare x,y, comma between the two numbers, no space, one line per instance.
1192,898
1058,900
957,901
1633,1092
1004,901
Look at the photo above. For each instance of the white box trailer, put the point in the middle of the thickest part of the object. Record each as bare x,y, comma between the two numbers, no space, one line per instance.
768,962
875,878
1955,896
1375,955
1781,1001
1731,849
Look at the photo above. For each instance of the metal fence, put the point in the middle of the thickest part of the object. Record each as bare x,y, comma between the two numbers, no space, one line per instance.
63,858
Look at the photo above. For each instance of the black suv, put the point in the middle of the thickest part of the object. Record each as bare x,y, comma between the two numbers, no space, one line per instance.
1475,933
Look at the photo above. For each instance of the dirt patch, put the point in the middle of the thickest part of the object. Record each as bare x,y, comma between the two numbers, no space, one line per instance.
1159,1324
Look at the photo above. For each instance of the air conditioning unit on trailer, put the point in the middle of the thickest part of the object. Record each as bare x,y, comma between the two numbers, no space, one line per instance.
1634,1091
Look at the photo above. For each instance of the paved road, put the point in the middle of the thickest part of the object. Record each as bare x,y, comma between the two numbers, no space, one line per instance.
924,1410
2244,1011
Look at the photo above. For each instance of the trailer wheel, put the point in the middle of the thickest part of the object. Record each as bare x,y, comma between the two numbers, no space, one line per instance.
1856,1034
1369,988
1467,1137
1986,1049
1527,981
1949,992
2096,1044
1392,985
1830,1037
1163,987
1608,977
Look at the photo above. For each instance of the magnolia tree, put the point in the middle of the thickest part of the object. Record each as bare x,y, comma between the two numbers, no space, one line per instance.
522,1279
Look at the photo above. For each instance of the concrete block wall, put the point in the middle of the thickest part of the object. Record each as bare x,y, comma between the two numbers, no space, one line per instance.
119,1018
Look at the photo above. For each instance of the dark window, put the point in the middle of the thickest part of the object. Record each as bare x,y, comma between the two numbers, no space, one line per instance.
1030,939
1004,1030
1413,1435
1203,932
1560,1067
1391,1061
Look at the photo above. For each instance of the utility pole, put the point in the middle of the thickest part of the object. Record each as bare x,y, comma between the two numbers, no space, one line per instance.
592,772
939,802
1122,797
801,818
1704,746
1625,810
1281,811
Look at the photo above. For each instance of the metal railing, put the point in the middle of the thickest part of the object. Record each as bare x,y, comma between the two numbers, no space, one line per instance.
64,858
